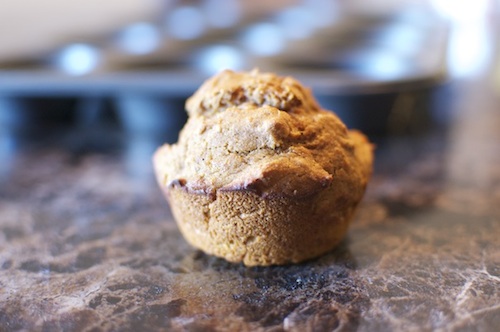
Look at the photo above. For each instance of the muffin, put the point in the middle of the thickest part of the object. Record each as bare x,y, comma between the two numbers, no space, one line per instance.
260,173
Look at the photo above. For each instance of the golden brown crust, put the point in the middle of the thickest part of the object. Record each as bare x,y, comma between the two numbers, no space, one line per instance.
230,89
260,173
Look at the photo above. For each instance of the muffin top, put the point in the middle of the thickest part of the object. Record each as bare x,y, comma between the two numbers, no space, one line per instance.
254,89
263,133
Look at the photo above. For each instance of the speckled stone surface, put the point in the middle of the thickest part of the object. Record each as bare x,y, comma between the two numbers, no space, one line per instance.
88,245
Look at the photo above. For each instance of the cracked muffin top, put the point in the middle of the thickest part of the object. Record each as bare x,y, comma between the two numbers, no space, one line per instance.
264,133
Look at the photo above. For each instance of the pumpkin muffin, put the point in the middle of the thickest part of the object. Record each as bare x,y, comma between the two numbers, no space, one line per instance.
260,173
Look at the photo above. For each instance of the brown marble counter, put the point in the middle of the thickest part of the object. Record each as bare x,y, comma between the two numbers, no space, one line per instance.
87,243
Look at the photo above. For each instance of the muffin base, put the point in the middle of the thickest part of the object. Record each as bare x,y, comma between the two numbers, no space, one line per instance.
242,226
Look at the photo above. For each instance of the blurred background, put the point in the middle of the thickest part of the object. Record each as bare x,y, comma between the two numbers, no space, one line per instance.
105,71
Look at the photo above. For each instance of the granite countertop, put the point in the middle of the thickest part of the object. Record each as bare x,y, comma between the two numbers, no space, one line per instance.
87,243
